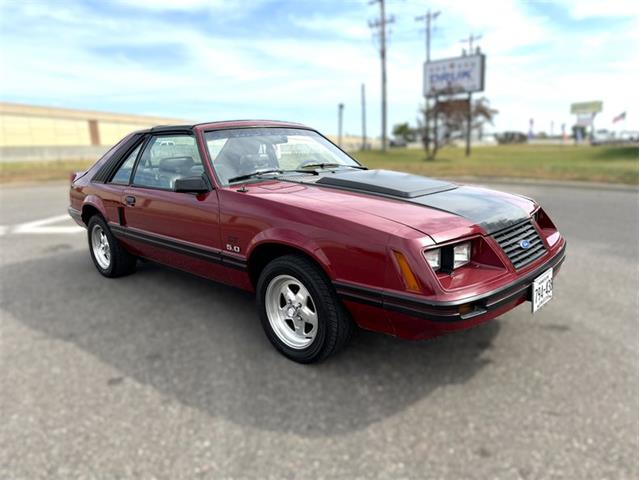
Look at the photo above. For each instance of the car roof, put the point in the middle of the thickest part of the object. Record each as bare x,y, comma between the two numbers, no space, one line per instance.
221,125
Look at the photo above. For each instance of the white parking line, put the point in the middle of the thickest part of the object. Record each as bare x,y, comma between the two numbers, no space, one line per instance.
39,227
3,230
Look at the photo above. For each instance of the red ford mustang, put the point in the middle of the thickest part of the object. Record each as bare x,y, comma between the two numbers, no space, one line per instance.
325,243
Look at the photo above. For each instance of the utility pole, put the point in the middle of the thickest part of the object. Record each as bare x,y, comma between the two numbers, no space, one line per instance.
472,38
340,110
428,17
468,148
381,25
364,118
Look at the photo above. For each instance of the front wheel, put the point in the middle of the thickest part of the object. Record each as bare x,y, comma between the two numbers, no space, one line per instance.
109,257
300,313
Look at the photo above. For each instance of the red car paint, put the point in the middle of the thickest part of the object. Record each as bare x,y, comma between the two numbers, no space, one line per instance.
351,235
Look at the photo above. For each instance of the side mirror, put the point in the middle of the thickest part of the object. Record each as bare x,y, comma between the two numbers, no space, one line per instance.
191,185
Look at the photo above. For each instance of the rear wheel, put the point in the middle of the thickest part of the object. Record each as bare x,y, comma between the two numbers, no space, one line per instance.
300,313
109,257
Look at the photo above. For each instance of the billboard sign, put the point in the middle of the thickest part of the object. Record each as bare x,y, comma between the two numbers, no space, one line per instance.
584,119
454,75
582,108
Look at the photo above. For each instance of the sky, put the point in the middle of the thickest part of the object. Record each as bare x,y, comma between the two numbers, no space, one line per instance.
297,60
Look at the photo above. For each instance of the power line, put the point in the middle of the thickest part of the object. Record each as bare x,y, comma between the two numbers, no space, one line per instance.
381,25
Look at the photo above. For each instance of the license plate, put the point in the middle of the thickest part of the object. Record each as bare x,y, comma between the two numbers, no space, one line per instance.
542,290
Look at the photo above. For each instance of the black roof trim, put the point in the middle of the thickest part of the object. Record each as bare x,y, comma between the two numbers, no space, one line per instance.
249,123
171,128
258,120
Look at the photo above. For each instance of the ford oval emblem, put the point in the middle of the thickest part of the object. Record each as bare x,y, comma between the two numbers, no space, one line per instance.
525,244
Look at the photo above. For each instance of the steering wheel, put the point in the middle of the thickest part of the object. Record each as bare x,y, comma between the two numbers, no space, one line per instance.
252,162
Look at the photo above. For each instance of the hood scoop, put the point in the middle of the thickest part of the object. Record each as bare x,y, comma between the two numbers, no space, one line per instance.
385,182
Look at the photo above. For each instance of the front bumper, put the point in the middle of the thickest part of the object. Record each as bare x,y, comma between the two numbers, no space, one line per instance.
447,315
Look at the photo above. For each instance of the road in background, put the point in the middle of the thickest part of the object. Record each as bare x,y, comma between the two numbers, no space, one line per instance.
161,374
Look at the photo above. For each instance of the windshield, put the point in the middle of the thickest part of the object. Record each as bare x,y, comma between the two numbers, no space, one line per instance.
244,151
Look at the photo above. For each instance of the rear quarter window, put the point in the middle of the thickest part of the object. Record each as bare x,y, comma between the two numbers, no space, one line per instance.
113,158
123,174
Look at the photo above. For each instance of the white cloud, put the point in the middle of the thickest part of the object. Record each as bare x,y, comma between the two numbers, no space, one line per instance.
535,69
189,5
348,27
597,8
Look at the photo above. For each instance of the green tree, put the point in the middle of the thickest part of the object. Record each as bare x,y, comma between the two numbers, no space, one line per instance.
447,119
404,131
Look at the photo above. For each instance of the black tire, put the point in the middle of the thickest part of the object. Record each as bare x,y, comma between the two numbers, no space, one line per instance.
335,327
121,262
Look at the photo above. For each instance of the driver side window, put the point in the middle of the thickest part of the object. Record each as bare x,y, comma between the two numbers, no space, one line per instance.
167,158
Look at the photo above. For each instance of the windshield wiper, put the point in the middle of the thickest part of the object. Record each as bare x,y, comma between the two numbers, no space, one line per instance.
330,165
304,169
257,173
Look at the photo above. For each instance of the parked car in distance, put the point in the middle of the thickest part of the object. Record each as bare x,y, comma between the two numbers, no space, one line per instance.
602,137
628,136
506,138
605,137
398,142
326,244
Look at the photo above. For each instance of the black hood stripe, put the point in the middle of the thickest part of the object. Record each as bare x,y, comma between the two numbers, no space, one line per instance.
490,212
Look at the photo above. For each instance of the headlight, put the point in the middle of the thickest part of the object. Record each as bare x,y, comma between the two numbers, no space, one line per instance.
433,258
461,254
446,259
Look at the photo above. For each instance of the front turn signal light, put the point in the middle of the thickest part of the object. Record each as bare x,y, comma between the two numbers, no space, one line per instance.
409,279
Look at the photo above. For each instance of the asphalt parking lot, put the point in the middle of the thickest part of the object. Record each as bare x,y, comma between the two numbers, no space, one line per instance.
164,375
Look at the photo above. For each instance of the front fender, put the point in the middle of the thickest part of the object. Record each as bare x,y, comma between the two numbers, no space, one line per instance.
293,239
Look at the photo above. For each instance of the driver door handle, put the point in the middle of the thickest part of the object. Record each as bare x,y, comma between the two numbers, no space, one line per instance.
130,200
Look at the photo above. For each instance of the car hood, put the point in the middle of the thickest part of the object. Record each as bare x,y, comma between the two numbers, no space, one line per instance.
439,209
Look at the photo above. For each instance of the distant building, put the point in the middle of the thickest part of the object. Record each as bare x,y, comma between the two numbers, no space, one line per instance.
35,133
29,132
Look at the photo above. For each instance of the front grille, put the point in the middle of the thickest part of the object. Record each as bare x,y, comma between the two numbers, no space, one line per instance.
509,240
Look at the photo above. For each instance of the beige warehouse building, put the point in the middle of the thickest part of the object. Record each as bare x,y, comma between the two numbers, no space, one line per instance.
35,133
29,132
